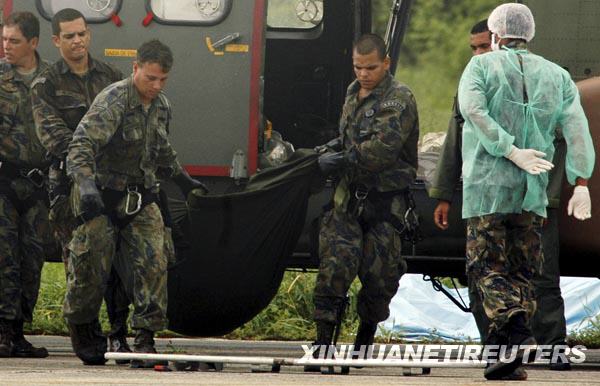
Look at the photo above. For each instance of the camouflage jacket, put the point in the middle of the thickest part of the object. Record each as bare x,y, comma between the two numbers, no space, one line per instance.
449,165
60,98
18,141
384,128
120,144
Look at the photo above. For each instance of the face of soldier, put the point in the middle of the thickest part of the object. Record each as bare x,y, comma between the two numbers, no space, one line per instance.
481,43
369,69
149,79
17,50
73,40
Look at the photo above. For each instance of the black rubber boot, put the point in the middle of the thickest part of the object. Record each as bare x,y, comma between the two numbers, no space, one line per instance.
88,343
144,343
117,339
364,341
5,338
21,347
324,339
519,334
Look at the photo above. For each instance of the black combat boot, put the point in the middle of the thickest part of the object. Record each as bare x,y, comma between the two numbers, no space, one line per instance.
21,347
144,343
498,338
324,339
364,341
117,339
88,343
519,334
118,343
5,338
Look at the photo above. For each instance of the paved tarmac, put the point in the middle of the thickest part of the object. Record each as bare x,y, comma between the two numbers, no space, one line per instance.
63,368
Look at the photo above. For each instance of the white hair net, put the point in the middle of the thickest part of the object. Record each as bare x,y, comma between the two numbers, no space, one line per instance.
512,20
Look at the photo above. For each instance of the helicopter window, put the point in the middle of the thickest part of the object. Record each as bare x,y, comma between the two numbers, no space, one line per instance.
94,11
299,14
189,12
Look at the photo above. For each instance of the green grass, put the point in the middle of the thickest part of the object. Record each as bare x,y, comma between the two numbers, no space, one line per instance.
288,317
588,336
434,94
47,316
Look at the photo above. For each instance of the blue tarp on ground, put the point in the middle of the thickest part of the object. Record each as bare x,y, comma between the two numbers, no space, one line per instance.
419,312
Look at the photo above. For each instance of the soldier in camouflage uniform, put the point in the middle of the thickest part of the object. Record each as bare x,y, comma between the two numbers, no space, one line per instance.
118,152
548,322
375,157
61,95
24,228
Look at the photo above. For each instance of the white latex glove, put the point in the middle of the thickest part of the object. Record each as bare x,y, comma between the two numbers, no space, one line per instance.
530,160
580,204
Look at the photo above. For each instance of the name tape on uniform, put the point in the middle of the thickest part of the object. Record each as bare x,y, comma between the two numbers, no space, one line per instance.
120,52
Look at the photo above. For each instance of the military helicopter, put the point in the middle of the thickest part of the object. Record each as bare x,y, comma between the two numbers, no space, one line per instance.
245,67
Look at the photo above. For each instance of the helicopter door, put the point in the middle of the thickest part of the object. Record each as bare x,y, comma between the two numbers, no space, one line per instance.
214,85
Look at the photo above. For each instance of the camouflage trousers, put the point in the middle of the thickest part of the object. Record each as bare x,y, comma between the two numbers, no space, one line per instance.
504,252
348,248
141,263
117,302
63,223
23,238
548,321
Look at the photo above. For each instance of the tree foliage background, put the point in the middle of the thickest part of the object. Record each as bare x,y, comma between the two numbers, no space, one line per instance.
435,51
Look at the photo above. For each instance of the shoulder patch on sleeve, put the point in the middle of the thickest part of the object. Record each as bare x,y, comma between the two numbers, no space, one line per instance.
38,80
392,104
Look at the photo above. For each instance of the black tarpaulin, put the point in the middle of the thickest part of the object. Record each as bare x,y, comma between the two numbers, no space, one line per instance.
237,245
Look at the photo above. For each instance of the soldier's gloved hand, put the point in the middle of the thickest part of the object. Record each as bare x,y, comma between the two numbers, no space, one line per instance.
580,204
530,160
333,145
330,163
90,199
186,183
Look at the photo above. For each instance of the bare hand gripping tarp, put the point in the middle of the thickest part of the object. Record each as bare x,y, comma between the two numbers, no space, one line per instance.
237,243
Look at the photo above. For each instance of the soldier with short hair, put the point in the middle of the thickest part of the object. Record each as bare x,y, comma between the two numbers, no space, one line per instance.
119,151
375,158
24,229
61,95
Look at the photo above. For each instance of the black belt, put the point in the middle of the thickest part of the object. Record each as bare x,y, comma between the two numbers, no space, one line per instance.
360,193
11,171
111,198
36,176
408,227
382,203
